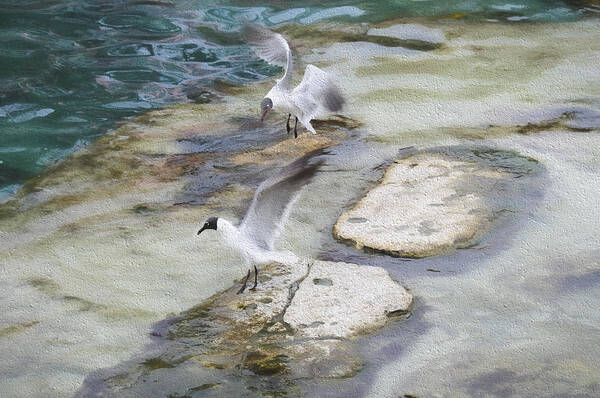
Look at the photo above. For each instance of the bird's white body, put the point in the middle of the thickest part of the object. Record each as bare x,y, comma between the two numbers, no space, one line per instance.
287,102
315,93
245,245
254,238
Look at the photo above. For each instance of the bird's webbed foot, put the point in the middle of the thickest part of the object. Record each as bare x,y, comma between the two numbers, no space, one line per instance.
244,284
255,278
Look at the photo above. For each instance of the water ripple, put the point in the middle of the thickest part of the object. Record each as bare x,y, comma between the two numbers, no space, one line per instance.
85,63
141,23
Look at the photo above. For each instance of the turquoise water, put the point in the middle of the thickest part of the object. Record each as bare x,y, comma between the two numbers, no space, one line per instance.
70,69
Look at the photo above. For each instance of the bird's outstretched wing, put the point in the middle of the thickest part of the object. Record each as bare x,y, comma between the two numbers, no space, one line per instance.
270,46
316,91
274,198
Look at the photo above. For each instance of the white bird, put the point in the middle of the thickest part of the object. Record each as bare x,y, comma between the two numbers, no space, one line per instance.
253,239
315,93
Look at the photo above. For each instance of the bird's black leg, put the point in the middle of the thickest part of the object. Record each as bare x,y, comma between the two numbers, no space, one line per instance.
255,278
287,125
244,285
296,128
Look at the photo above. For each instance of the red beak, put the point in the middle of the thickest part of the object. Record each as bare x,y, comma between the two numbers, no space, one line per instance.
264,114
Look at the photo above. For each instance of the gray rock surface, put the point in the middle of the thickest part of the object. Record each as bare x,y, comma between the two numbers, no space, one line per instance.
433,202
341,299
295,325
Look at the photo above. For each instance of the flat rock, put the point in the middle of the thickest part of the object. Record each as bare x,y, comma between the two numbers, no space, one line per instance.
434,201
340,299
295,325
331,132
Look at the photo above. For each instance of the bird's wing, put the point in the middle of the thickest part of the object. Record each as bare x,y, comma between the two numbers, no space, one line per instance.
317,90
274,198
270,46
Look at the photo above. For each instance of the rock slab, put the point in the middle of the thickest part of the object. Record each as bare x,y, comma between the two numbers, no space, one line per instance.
341,299
432,202
301,321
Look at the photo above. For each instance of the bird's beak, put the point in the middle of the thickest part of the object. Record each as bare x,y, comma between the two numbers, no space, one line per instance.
202,229
264,114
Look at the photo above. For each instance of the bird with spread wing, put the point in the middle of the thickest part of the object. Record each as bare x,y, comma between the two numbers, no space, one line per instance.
254,238
315,93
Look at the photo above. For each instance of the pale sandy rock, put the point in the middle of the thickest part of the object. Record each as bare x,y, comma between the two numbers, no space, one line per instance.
291,148
341,299
426,204
330,132
263,332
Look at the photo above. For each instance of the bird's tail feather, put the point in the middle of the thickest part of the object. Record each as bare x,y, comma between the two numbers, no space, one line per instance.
332,98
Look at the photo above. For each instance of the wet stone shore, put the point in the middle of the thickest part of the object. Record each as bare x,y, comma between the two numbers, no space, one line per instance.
464,168
300,323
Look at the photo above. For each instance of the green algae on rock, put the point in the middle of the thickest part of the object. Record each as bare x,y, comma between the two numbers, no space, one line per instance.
331,132
108,235
319,35
126,222
273,333
484,74
19,328
434,201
